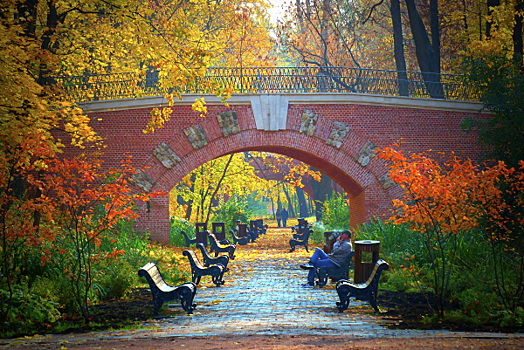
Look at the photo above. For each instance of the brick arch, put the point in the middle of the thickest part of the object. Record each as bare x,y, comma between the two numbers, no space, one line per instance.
366,195
275,124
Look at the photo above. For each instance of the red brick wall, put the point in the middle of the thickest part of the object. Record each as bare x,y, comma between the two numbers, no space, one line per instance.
419,129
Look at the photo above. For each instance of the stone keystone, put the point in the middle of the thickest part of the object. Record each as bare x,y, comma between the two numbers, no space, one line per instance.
166,156
228,121
339,131
366,153
196,136
309,122
142,180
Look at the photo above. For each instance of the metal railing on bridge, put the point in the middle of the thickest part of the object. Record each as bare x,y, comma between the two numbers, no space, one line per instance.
273,80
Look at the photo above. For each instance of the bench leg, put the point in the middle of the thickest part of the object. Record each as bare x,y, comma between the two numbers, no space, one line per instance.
373,302
231,253
157,305
196,279
344,293
186,300
322,277
217,280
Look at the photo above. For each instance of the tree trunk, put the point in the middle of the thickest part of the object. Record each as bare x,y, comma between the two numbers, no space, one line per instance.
398,47
302,204
428,58
190,202
291,211
322,192
517,34
435,32
490,3
218,187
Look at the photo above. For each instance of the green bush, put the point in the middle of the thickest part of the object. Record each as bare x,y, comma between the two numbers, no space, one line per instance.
115,278
234,209
335,213
177,225
29,309
317,235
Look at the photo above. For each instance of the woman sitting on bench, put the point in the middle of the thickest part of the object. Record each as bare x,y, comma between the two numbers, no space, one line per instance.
335,259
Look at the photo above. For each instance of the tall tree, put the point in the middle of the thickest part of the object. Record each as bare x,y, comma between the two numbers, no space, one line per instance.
428,52
398,47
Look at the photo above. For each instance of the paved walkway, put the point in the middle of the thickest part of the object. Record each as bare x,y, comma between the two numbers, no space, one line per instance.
266,298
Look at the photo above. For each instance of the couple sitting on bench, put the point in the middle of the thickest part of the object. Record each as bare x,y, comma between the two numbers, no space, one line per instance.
341,250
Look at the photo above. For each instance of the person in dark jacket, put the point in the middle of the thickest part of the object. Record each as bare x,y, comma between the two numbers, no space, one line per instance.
284,218
335,259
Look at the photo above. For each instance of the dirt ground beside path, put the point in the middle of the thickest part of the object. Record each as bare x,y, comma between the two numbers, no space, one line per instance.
290,342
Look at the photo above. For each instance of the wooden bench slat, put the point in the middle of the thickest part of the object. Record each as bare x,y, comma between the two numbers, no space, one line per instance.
363,291
162,291
198,270
217,247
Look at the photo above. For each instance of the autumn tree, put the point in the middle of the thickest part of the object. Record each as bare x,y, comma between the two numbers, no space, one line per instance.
293,172
214,182
444,199
82,205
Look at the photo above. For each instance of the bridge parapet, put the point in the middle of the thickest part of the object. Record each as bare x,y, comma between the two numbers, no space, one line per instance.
272,80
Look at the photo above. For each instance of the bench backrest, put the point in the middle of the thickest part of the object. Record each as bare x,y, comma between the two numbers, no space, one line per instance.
186,237
151,272
204,251
193,259
379,266
213,241
305,235
349,258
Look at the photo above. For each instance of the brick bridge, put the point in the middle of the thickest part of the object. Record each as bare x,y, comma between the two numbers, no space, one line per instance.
333,132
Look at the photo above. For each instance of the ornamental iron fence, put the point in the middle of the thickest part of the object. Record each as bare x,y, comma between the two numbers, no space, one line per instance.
270,80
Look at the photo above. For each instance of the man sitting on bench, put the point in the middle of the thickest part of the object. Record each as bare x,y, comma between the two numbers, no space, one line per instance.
335,259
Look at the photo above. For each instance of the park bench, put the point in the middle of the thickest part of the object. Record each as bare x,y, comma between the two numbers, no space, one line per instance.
189,241
239,240
198,270
252,236
262,229
300,236
218,247
209,260
336,274
164,292
256,228
301,227
293,242
362,291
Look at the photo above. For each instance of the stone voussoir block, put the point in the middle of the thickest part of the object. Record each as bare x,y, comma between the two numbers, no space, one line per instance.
366,153
142,181
339,131
166,155
308,122
228,122
196,136
386,181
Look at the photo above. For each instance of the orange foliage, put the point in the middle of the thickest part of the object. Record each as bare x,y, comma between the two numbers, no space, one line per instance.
455,195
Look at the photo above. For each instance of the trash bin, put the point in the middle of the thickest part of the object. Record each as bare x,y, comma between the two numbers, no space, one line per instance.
242,230
366,255
219,230
201,233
